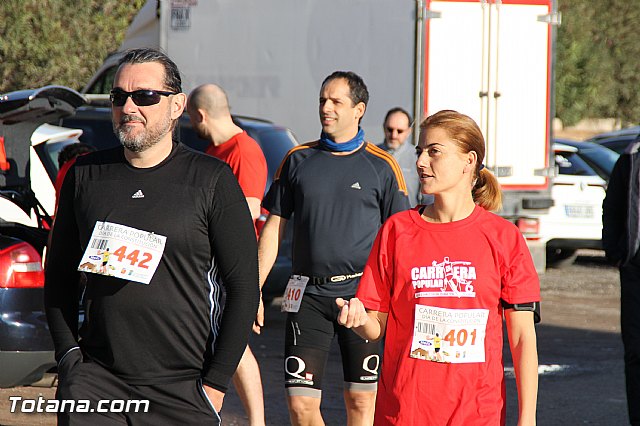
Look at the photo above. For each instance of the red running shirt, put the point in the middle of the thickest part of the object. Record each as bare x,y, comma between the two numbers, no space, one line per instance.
243,154
245,157
457,270
60,178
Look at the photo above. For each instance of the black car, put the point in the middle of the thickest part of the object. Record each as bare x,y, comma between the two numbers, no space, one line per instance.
275,141
26,348
590,159
617,140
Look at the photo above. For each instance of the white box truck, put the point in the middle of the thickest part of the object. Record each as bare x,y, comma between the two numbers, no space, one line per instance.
490,59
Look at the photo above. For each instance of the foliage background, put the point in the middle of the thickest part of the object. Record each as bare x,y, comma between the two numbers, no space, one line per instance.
59,41
598,60
65,41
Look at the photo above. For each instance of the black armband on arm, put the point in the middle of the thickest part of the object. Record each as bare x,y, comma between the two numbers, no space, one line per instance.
529,306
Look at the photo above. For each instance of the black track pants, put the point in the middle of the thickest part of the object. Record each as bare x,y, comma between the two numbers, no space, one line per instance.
104,399
630,325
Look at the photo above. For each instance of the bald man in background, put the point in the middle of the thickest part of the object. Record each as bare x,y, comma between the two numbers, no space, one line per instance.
208,109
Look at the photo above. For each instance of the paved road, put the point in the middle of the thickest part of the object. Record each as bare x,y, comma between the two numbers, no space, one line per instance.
581,381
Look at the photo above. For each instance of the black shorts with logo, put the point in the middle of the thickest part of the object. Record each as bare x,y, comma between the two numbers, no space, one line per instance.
111,401
308,336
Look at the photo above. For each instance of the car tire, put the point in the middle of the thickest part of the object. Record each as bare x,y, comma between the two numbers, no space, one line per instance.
48,380
559,258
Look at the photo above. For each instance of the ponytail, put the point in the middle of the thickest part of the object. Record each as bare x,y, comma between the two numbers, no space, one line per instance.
486,191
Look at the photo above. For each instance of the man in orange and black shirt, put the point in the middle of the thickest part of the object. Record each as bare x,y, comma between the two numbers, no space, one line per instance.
341,189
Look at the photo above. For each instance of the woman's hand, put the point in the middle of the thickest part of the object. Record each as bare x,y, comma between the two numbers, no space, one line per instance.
352,313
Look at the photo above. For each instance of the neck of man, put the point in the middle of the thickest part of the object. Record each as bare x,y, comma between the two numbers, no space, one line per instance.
222,132
152,156
393,145
345,137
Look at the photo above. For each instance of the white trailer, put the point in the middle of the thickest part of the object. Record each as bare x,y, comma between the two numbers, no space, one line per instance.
490,59
493,60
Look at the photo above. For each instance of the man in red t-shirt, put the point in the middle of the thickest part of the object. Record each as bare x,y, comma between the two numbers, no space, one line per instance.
208,109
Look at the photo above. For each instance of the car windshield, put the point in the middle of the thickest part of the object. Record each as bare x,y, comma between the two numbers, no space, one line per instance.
601,159
48,154
275,143
189,137
617,145
96,127
104,83
570,163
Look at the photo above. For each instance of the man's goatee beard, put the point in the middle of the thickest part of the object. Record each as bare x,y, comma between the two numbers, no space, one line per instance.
144,140
135,143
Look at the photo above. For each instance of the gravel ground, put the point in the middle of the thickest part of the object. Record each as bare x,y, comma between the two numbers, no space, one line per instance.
579,346
584,295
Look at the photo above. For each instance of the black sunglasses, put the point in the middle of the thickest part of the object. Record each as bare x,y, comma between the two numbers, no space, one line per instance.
400,131
140,97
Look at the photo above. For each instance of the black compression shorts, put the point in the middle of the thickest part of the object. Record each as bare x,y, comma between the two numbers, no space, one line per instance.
308,337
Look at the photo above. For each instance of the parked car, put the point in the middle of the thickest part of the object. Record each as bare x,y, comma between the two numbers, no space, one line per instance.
617,140
575,220
598,157
27,170
275,141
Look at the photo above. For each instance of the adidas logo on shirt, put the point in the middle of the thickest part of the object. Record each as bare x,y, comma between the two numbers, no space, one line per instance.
138,194
356,185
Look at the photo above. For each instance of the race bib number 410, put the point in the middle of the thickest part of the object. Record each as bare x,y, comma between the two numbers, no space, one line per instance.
123,252
449,335
293,293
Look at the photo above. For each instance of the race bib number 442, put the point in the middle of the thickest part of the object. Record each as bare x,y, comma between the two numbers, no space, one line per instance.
123,252
449,335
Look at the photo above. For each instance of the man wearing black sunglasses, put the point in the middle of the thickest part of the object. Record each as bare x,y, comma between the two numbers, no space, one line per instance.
167,320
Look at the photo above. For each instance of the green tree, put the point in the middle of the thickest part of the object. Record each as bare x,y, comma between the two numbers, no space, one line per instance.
59,41
598,60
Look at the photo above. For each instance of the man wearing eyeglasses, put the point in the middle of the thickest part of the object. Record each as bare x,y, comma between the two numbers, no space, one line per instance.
167,322
397,129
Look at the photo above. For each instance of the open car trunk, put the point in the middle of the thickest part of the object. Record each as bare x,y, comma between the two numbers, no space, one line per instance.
21,113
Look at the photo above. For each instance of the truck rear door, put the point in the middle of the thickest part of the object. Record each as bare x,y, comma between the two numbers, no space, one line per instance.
491,60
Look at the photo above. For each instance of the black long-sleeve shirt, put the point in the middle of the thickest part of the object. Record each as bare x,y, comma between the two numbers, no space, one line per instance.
621,211
193,318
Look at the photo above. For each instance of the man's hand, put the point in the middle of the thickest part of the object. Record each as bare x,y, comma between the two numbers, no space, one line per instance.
215,396
352,313
259,322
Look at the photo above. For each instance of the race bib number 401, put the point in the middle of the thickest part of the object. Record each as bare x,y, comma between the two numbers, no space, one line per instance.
449,335
123,252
